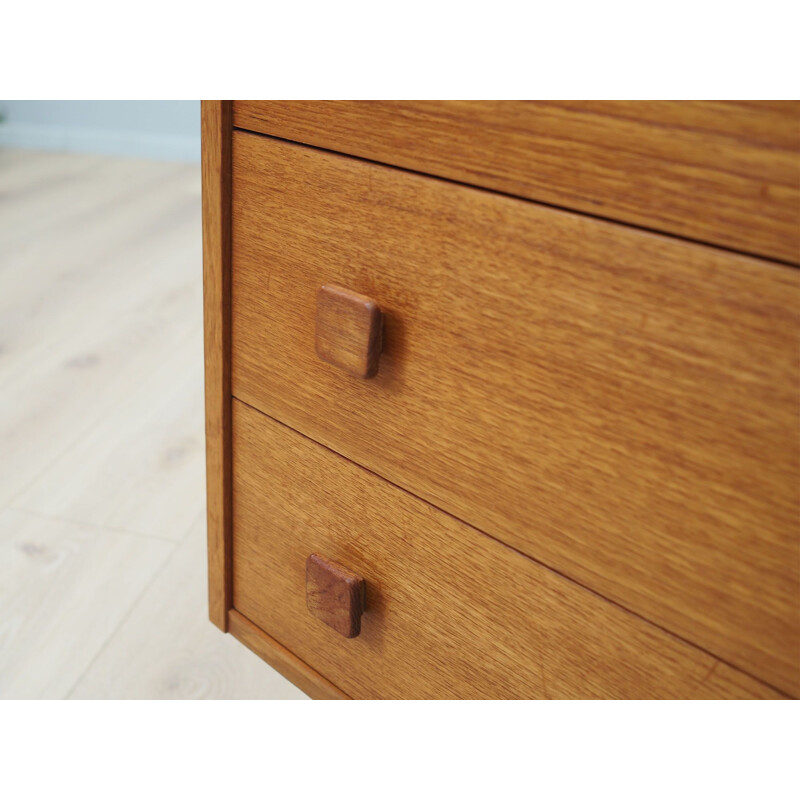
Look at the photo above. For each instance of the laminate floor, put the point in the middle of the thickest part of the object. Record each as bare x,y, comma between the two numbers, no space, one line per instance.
102,515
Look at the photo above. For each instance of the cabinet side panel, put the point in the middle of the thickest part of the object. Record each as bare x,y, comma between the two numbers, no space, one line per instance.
216,171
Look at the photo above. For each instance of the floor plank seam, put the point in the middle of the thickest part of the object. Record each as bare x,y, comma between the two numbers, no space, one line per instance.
93,525
123,619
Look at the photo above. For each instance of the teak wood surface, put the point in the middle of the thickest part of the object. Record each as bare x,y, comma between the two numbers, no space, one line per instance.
450,612
620,405
216,176
722,172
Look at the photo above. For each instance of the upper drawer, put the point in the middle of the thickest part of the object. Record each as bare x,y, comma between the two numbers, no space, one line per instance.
617,404
722,172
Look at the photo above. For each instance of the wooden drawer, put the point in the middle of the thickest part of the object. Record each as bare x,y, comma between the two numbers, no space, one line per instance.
619,405
450,612
721,172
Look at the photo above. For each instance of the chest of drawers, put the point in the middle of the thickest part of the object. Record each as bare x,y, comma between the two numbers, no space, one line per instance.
502,397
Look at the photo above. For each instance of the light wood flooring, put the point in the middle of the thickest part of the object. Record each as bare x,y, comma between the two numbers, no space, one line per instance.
102,508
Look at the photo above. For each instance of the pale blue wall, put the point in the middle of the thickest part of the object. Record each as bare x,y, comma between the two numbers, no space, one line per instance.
166,129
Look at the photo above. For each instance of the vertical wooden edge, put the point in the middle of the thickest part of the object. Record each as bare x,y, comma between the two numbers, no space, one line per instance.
278,657
217,132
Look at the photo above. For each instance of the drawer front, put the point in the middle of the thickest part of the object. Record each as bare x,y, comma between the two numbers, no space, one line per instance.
722,172
618,405
450,612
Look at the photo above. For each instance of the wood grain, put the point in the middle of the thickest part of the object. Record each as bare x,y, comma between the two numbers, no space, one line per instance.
723,172
349,331
450,612
619,405
334,595
281,659
216,171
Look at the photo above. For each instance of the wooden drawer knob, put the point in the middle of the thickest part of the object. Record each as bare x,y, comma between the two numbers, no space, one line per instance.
335,595
349,331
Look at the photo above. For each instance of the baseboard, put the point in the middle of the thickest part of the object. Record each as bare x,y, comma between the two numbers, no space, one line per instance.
89,140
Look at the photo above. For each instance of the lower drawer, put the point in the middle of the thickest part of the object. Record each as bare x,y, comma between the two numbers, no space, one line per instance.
450,612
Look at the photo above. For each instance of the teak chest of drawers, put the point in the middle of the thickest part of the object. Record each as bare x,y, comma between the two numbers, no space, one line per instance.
502,398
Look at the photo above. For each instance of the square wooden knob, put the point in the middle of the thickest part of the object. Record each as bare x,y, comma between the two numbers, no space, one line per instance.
335,595
349,331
